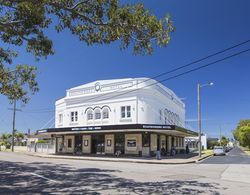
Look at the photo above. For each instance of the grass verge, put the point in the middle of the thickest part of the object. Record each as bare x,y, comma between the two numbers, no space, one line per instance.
207,152
245,149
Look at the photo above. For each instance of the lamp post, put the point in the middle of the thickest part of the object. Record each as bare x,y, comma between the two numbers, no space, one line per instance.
199,112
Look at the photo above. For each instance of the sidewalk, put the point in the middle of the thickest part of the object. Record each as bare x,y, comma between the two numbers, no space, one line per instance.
178,159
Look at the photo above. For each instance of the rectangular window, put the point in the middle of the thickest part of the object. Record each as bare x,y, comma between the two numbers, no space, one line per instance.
160,113
125,111
131,143
69,143
74,116
60,118
128,111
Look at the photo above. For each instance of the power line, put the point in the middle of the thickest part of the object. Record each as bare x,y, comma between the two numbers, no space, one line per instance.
173,77
178,68
162,74
48,122
181,74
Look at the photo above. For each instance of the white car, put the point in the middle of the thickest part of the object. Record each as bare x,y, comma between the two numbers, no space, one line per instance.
219,150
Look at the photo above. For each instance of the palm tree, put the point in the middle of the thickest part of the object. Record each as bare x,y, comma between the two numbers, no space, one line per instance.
19,136
5,137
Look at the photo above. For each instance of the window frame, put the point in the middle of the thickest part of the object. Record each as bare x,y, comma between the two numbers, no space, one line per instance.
90,113
98,112
74,116
105,113
125,112
60,118
130,144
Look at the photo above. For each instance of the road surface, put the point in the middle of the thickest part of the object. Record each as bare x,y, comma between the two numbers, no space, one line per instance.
23,174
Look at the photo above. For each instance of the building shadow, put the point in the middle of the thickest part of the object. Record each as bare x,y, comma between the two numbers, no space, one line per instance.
47,178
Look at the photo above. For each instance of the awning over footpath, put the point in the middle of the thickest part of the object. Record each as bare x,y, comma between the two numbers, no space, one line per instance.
164,129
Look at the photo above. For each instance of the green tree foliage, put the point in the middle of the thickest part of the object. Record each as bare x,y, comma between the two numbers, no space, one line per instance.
18,84
5,137
23,22
242,133
224,141
212,143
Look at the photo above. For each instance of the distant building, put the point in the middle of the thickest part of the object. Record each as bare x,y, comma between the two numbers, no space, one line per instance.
130,116
192,142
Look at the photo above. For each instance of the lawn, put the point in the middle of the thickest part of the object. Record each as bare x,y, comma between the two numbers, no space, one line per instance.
245,149
207,152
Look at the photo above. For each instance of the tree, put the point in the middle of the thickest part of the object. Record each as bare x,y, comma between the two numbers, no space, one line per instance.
18,84
242,132
22,22
244,136
5,139
212,143
224,141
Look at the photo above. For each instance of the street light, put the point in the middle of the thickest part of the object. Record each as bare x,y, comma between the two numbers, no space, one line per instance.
199,112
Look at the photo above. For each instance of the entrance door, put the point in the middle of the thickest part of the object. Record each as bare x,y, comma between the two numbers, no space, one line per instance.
119,142
78,143
145,144
98,144
59,144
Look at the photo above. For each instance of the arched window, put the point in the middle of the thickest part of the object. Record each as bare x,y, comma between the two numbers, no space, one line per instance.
97,114
90,115
105,113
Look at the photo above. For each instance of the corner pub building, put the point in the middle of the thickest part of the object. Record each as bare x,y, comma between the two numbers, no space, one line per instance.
134,116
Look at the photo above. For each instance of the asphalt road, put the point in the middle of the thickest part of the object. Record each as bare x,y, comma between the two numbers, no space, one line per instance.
235,156
23,174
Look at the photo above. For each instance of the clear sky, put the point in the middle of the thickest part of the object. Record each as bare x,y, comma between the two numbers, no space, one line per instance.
202,28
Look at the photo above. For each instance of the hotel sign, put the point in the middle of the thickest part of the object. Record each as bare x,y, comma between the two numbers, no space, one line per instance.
157,126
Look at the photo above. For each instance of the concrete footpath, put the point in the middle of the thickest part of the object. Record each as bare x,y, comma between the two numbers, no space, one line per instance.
178,159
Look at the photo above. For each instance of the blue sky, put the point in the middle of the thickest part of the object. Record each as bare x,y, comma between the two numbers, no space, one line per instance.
202,28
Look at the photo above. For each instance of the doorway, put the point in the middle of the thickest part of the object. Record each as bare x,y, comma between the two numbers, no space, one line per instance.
119,142
78,143
145,144
98,144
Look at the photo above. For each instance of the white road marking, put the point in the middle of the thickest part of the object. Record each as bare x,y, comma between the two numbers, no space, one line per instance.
46,178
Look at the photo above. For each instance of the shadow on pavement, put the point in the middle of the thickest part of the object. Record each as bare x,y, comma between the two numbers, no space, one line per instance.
46,178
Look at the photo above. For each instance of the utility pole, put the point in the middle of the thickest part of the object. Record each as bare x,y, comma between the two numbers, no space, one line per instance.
220,135
13,127
13,124
199,118
199,86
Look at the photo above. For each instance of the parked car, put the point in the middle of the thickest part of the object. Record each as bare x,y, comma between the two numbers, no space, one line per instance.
227,148
219,150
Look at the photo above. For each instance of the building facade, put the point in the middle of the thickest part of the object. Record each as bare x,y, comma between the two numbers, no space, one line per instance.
130,116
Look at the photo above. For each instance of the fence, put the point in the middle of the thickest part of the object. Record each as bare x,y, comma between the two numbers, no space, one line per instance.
42,148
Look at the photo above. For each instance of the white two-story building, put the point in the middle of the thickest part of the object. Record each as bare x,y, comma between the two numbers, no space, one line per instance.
131,116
